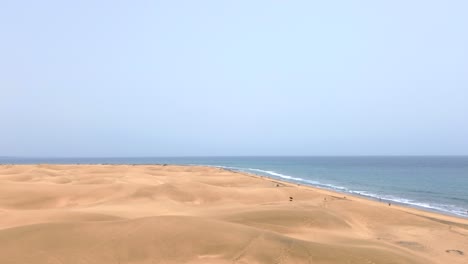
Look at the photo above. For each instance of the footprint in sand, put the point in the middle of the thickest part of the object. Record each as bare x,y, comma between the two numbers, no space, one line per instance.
454,251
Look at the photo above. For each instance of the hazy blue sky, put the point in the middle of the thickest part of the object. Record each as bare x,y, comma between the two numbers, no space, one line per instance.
159,78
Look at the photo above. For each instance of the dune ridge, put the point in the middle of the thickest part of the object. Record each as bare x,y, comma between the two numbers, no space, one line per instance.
192,214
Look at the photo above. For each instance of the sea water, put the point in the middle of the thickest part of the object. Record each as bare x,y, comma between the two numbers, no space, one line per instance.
432,183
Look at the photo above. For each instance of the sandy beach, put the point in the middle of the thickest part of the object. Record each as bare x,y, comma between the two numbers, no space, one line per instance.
186,214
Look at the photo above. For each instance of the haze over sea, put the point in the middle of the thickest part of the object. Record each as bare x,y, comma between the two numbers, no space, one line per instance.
435,183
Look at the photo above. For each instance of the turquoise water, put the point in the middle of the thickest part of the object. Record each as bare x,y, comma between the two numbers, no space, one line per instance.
431,183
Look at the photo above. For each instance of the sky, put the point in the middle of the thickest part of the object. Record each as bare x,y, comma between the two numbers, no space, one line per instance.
225,78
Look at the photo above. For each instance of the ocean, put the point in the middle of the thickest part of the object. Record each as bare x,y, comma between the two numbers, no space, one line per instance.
430,183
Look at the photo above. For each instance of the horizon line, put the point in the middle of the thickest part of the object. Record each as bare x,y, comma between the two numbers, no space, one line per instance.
234,156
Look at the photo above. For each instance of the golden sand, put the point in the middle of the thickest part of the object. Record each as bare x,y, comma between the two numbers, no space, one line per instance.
183,214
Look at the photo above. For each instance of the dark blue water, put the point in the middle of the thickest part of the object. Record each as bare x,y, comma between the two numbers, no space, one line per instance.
431,183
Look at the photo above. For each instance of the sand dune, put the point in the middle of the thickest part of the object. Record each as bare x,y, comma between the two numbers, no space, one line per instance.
183,214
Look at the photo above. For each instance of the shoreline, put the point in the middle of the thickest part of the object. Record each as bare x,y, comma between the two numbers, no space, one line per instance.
398,205
360,198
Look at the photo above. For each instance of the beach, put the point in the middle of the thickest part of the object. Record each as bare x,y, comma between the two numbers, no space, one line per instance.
198,214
